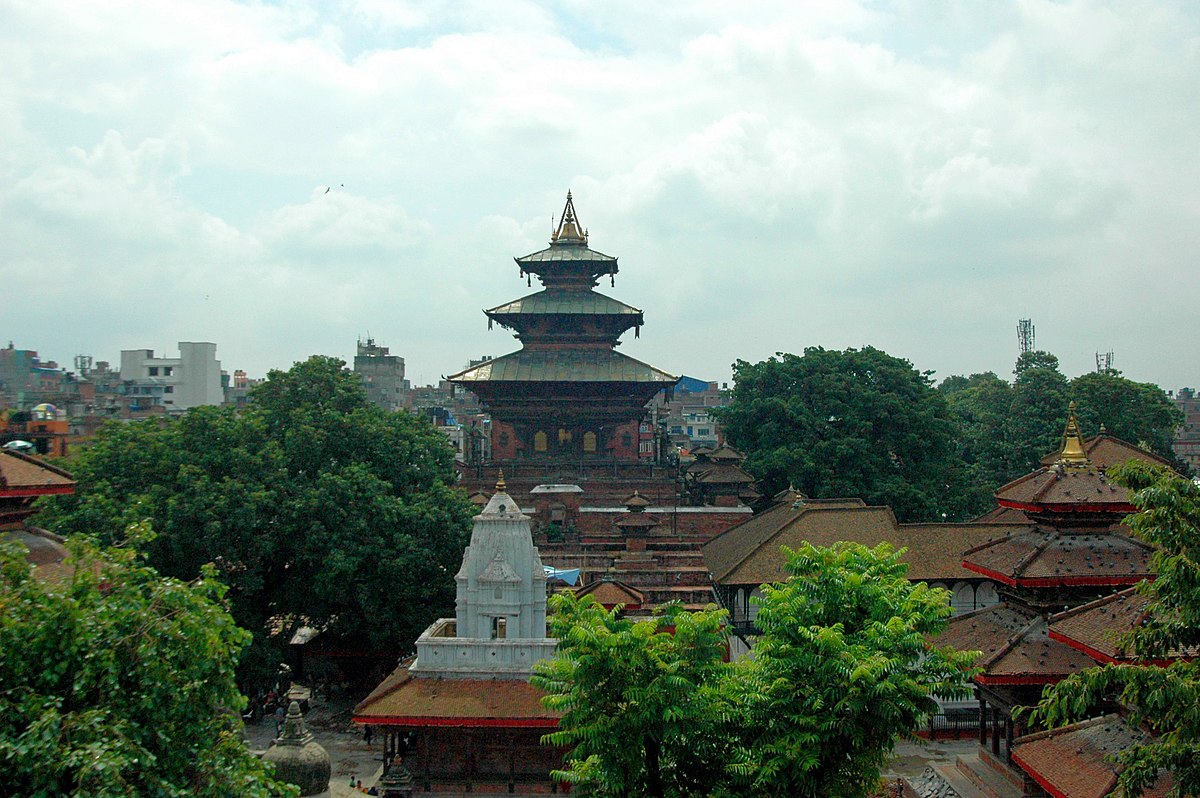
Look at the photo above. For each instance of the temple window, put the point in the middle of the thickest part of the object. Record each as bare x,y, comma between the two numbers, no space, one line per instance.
589,442
539,441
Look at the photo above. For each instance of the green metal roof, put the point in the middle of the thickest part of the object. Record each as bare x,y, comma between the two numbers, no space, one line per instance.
564,365
562,253
588,303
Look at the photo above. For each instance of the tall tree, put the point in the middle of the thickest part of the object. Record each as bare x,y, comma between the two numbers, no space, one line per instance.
315,506
980,407
1138,412
853,423
118,682
1165,700
1038,411
849,627
841,671
641,699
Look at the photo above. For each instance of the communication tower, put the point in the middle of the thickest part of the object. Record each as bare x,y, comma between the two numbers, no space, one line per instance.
83,365
1025,335
1104,361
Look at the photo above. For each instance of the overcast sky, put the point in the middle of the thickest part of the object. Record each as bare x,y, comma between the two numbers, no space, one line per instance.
913,176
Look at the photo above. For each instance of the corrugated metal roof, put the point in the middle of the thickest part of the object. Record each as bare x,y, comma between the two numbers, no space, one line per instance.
564,365
588,303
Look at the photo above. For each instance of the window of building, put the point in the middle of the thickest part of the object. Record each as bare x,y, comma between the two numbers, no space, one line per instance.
168,371
626,440
589,441
153,371
169,389
539,441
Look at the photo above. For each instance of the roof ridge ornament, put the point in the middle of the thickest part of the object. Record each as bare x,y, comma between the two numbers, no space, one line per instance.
1072,452
569,230
500,486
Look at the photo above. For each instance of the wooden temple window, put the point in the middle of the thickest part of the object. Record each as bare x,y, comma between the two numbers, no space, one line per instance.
589,442
539,441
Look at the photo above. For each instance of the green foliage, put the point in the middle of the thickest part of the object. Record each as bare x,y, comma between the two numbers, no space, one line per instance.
841,670
641,699
118,682
979,406
312,503
853,423
1138,412
1165,700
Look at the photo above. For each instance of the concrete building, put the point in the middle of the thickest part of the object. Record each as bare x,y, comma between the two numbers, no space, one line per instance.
382,374
1187,437
177,383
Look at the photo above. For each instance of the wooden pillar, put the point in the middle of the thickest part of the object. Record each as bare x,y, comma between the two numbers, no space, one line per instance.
1008,739
996,731
982,721
425,755
470,757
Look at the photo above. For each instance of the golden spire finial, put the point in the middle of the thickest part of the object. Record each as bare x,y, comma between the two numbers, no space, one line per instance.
1072,451
569,228
500,486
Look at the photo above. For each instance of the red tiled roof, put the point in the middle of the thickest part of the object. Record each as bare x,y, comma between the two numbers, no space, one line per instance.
1042,558
1015,644
1096,627
1075,761
1105,451
45,552
1065,489
404,700
24,475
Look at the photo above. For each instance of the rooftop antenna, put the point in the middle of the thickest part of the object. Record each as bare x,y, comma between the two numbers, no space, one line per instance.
1104,361
1025,334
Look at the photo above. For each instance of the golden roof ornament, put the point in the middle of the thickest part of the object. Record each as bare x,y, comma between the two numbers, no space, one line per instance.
569,230
1072,451
500,486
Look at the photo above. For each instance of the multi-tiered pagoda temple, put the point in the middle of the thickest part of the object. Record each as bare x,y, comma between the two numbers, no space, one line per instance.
567,394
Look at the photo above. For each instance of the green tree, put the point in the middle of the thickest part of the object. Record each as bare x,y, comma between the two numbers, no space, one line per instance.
1038,411
1138,412
315,506
1165,700
118,682
840,671
641,698
853,423
979,407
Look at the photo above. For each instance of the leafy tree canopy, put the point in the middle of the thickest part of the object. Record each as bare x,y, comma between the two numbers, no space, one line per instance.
118,682
840,671
853,423
1138,412
1163,699
312,503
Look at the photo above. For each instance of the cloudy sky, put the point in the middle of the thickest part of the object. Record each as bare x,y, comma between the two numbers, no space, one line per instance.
913,176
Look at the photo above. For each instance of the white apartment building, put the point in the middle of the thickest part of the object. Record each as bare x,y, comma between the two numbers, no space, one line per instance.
177,383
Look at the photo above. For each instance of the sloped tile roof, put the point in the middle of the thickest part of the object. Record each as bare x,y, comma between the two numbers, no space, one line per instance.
561,253
750,553
1044,557
402,699
564,365
1016,646
589,303
1074,761
1067,488
1105,451
611,592
22,474
1095,627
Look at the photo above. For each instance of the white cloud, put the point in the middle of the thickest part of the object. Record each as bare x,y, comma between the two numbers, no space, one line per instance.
908,176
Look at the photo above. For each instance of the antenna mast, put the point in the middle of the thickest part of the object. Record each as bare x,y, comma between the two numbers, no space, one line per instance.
1104,361
1025,335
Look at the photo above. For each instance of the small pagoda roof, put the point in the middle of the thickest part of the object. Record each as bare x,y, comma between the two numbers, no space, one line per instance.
1076,761
558,253
611,592
23,475
724,453
569,244
569,303
1016,646
564,365
1073,479
724,473
1044,558
1096,628
636,499
405,700
1104,450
